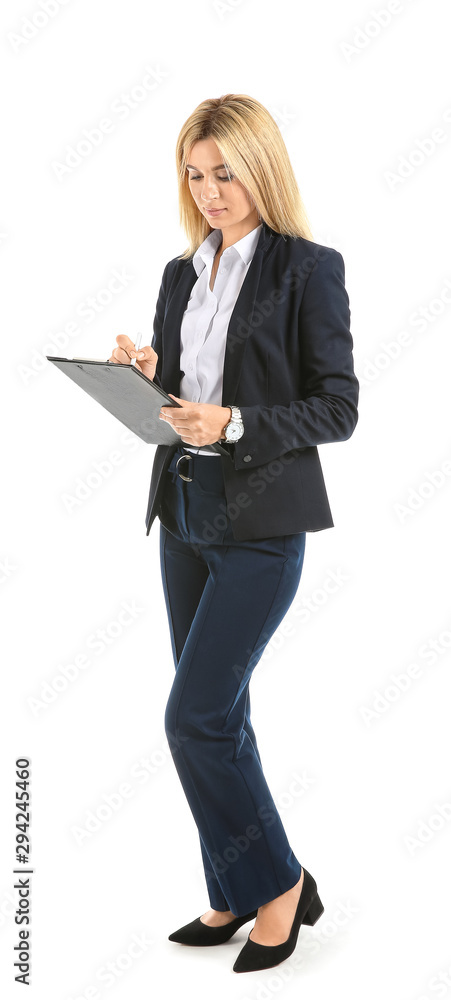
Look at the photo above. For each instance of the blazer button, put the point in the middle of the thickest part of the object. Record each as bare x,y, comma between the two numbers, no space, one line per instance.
247,458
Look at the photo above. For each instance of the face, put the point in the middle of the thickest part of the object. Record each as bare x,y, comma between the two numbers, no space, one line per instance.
211,188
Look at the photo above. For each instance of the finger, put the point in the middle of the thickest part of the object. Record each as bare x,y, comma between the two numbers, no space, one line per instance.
145,354
174,418
164,412
125,343
120,356
126,350
113,357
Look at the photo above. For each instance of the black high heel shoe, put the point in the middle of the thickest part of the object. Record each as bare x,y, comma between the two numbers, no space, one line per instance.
259,956
201,935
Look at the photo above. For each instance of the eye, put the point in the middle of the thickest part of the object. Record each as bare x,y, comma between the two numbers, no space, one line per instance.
197,177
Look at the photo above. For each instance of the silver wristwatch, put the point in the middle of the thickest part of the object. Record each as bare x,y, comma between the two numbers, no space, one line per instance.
235,427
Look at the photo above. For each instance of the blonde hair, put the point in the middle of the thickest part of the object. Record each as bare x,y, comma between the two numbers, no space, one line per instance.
253,149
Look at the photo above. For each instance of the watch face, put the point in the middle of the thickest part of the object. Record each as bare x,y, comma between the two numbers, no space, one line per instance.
233,432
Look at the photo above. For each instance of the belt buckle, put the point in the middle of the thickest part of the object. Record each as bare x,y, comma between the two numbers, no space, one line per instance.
187,479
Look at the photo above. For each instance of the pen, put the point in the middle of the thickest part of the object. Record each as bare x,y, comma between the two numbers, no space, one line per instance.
137,346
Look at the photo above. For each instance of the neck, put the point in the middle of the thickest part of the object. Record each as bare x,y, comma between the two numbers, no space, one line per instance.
232,234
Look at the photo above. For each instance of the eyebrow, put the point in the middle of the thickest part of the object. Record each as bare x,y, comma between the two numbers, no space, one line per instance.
190,166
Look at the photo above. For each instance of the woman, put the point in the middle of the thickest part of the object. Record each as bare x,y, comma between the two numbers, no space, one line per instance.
252,339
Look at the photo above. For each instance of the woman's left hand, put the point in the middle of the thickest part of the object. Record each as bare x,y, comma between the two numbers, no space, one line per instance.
197,423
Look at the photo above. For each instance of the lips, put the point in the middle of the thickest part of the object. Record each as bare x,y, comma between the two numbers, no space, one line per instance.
215,211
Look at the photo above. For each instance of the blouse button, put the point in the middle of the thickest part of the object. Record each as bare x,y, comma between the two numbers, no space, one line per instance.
247,458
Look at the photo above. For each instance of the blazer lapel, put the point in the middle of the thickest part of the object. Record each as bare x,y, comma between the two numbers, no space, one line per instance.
170,372
240,328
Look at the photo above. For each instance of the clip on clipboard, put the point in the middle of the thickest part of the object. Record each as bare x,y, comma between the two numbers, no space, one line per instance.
128,395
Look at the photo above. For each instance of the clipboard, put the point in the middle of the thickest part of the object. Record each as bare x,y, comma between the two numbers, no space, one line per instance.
128,395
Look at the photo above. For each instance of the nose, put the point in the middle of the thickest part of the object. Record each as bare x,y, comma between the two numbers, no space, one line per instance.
209,190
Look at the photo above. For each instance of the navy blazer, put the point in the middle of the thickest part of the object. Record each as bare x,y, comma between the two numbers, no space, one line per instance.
288,365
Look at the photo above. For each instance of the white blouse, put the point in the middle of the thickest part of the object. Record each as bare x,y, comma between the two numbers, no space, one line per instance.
206,318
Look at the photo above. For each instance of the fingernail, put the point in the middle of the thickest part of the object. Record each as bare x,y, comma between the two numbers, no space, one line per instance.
141,354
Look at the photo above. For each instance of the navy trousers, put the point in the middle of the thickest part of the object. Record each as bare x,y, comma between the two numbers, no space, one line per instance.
224,599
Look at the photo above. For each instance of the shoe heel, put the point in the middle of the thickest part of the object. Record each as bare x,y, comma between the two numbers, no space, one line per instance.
314,912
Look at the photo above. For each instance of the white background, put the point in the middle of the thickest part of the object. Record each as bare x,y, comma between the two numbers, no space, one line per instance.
352,97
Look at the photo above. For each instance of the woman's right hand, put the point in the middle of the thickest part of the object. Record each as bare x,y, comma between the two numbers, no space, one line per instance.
146,357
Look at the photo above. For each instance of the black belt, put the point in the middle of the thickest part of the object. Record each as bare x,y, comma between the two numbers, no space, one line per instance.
189,455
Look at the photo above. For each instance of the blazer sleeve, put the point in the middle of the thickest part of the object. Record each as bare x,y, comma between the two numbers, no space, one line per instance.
327,411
